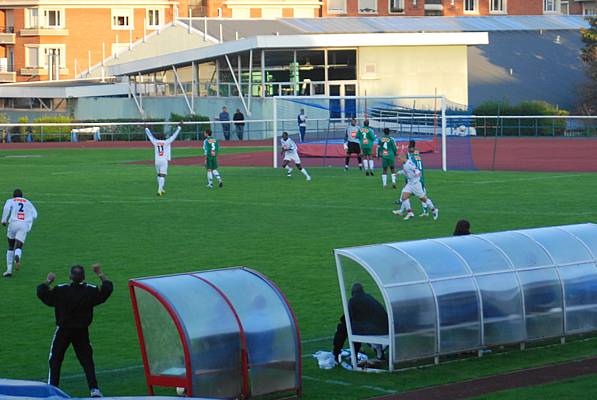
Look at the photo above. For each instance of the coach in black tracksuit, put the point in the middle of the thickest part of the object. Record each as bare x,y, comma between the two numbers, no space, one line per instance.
73,304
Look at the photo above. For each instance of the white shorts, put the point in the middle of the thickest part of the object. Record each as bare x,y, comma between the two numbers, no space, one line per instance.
161,167
292,157
414,188
18,230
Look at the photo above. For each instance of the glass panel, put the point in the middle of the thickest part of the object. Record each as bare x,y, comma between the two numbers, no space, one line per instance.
587,233
543,303
164,349
458,315
480,255
580,286
437,260
391,265
311,65
213,334
269,328
522,251
342,65
278,64
502,308
415,319
562,246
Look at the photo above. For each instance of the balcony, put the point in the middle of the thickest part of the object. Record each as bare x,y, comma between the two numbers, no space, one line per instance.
7,35
434,5
7,72
44,31
36,71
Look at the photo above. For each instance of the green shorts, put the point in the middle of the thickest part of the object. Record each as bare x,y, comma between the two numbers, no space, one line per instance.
387,163
366,150
211,162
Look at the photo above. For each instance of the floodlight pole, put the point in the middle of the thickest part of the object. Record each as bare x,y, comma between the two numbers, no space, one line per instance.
444,128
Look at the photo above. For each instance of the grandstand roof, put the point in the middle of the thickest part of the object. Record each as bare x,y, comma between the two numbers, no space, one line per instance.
297,26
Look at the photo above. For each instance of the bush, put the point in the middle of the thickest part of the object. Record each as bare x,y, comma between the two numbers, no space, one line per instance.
190,132
510,127
4,130
126,132
52,133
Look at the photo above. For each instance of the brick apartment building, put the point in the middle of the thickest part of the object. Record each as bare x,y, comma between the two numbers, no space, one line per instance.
58,39
353,8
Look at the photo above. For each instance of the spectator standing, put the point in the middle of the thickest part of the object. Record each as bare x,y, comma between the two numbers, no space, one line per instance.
73,307
301,119
224,117
239,124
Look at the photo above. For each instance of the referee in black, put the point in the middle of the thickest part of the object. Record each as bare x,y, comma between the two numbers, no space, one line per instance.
73,305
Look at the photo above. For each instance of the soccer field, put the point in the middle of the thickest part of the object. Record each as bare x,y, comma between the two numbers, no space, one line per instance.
96,206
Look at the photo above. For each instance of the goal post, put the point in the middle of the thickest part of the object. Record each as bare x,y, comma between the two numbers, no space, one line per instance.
421,118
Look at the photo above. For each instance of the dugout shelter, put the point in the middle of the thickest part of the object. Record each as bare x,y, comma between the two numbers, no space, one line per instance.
467,293
226,333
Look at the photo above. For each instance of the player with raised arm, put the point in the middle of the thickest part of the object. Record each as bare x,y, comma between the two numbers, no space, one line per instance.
290,154
18,214
413,186
386,149
366,137
415,157
162,155
352,145
211,148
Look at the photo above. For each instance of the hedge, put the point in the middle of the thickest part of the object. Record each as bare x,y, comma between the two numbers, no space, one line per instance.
194,131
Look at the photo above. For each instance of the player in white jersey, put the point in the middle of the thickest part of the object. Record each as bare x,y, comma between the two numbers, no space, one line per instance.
413,186
162,156
18,214
290,153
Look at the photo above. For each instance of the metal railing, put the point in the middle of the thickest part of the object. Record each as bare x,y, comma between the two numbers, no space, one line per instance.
7,29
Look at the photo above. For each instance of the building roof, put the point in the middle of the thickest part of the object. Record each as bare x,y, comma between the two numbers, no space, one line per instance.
64,88
298,41
296,26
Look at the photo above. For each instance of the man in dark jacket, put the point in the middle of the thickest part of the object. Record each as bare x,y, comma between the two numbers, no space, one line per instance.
367,317
239,123
225,118
73,306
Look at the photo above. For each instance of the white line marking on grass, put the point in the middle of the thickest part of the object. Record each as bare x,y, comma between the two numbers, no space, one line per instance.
319,339
104,371
343,383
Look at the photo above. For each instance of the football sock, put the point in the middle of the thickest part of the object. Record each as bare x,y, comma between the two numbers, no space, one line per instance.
365,166
210,177
360,161
393,179
346,161
161,182
217,175
371,166
19,253
304,172
429,204
9,260
384,179
289,170
406,205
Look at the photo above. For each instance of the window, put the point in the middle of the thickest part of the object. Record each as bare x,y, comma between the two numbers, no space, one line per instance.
589,10
153,18
396,6
122,18
471,6
53,18
337,6
551,6
32,17
32,57
368,6
565,8
53,50
497,6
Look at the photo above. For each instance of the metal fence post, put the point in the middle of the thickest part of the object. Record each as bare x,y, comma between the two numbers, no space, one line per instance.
536,128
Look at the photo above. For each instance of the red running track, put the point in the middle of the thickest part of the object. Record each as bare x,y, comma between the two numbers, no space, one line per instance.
505,153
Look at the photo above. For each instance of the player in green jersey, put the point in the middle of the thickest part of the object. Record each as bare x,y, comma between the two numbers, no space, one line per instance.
366,137
211,148
386,149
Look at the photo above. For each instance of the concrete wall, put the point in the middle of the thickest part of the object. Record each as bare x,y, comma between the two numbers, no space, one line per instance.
410,71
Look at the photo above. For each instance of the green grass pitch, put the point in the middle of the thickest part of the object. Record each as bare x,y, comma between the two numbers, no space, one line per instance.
95,206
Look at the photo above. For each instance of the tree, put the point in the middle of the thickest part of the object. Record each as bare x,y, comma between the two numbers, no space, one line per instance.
589,57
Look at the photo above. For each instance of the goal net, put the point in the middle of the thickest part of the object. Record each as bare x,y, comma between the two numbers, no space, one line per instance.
419,118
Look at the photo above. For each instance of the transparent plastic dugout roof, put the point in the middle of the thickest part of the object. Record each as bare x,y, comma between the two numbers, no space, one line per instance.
220,334
465,293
